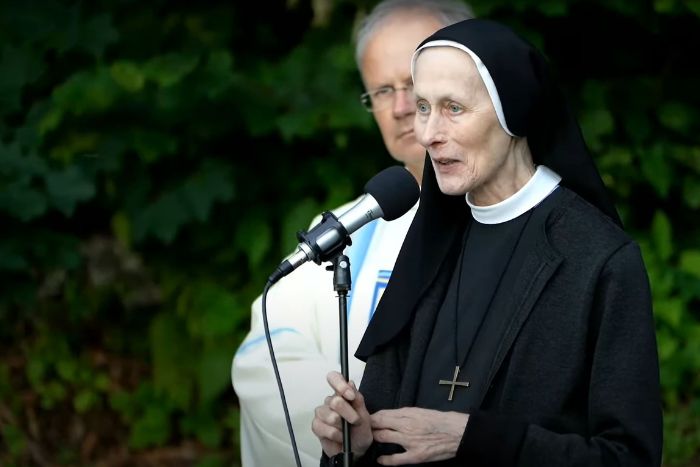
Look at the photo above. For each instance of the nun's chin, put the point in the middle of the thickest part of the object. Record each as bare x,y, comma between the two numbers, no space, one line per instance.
451,185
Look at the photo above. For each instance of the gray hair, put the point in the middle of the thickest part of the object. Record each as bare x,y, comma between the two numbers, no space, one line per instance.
445,11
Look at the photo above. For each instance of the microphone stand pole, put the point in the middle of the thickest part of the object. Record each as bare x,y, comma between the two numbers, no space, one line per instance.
341,284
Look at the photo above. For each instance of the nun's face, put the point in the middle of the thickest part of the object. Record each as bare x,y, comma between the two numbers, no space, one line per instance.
456,122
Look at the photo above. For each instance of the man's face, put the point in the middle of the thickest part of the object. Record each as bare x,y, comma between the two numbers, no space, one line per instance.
456,122
387,62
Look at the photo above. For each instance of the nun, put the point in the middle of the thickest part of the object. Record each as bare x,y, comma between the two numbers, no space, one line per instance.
517,326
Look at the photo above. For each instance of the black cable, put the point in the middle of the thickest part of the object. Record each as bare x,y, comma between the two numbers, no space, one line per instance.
277,374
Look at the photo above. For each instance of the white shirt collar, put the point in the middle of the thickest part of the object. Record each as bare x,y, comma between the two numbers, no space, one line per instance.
543,182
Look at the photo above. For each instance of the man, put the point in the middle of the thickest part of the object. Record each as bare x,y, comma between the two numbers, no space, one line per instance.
303,308
517,327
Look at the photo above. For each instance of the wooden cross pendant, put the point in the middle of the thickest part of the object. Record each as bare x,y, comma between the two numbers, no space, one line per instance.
454,383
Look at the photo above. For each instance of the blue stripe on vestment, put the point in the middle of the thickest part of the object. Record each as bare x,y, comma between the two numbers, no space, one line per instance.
382,280
357,252
252,342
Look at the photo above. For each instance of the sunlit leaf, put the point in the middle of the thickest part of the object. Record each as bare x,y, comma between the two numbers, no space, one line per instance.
690,262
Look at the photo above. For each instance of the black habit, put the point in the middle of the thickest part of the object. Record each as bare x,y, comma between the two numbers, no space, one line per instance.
573,378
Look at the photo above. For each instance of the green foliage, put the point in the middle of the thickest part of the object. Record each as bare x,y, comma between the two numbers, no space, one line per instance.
157,159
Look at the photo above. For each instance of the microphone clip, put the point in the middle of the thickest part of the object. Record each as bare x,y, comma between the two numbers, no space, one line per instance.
327,239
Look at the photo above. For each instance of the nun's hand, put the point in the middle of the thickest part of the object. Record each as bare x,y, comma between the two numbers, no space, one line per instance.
346,402
426,435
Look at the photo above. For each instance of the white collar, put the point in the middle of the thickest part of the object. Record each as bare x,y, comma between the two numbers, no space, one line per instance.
543,182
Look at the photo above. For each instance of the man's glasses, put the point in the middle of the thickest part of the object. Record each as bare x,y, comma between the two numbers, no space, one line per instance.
381,98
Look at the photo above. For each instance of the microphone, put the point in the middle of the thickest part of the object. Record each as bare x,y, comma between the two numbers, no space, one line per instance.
389,195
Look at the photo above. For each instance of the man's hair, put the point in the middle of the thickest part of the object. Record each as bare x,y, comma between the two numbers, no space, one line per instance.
445,11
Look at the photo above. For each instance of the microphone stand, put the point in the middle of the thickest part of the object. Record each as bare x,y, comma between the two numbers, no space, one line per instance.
342,284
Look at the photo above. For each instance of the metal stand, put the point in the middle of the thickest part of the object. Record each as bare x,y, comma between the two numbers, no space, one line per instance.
341,284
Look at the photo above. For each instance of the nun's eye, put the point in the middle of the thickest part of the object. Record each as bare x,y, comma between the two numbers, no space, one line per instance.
454,108
422,107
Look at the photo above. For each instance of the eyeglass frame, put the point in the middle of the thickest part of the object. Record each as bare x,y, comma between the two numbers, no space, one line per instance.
367,98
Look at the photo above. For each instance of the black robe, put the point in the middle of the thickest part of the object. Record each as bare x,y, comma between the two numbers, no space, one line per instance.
574,380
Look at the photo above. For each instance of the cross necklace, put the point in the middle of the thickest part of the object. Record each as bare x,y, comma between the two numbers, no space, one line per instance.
453,383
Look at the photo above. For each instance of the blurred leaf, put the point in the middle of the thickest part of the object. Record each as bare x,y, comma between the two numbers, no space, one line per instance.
218,73
127,75
86,92
169,69
211,310
670,311
97,34
69,187
677,116
21,201
151,429
690,262
215,371
656,169
298,218
693,5
172,359
691,192
254,237
151,145
14,439
661,235
664,6
85,400
597,124
18,68
162,218
213,182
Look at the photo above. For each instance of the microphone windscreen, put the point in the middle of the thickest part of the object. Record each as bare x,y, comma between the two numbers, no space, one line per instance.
395,190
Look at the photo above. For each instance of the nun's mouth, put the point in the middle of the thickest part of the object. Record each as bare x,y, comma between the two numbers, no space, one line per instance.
445,161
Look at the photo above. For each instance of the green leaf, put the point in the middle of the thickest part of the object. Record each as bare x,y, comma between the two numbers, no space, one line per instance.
97,33
151,429
664,6
693,5
690,262
254,237
218,73
167,70
211,311
151,145
661,235
214,371
298,218
22,201
213,182
691,192
670,311
163,218
172,359
14,439
204,426
677,116
85,400
127,75
86,93
11,259
18,68
69,187
596,124
656,169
